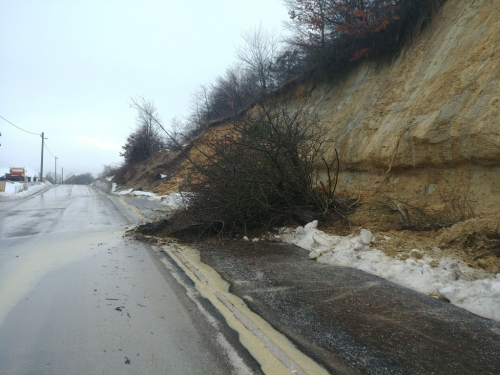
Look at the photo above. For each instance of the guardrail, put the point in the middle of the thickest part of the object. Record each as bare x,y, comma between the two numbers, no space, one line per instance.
103,185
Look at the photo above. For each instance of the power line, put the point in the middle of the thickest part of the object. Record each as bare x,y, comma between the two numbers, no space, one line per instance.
45,144
18,126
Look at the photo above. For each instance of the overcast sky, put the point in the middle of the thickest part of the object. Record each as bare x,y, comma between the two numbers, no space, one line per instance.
68,68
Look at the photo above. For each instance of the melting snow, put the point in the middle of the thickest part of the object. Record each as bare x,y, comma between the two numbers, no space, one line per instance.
175,200
11,187
124,192
463,286
172,201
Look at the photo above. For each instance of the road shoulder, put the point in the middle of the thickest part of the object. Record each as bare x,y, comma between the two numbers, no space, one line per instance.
368,323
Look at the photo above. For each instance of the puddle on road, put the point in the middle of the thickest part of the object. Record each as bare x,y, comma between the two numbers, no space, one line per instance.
20,274
274,352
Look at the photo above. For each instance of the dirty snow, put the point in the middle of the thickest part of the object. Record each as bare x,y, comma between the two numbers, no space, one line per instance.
138,193
124,192
175,200
143,194
172,201
463,286
10,190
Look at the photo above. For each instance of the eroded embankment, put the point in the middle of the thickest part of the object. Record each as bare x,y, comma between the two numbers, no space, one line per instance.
427,122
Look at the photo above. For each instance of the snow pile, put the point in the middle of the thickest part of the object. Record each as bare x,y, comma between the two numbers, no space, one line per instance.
11,187
175,200
147,194
19,190
124,192
172,201
138,193
463,286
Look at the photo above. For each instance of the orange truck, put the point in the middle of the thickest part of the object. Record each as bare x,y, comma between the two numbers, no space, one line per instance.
16,174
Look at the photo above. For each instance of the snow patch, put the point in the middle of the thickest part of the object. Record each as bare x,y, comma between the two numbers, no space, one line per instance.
19,190
138,193
172,201
143,194
124,192
463,286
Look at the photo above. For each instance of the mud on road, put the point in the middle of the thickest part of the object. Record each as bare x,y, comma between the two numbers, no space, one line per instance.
353,322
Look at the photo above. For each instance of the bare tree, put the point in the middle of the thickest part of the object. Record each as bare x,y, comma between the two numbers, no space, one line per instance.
201,110
258,54
49,176
146,140
288,65
309,22
149,128
231,91
177,134
108,170
258,173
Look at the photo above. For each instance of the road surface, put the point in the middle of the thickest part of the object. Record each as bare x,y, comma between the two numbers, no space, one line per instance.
351,321
77,297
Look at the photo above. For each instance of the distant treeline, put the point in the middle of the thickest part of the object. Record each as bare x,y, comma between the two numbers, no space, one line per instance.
81,179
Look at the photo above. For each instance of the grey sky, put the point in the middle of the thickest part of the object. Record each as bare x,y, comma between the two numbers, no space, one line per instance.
68,68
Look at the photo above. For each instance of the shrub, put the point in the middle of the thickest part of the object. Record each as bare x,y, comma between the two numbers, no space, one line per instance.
258,174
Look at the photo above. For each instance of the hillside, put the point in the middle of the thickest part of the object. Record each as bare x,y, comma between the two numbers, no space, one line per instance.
424,119
417,134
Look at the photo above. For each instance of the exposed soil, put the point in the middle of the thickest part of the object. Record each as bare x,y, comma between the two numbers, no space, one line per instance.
146,176
475,241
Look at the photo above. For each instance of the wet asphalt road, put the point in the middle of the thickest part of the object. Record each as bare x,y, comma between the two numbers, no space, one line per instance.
76,297
354,322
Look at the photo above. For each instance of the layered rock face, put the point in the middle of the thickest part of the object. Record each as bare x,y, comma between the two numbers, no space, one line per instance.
428,119
424,125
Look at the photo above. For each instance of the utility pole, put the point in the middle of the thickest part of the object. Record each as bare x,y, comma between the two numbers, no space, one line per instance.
62,175
55,169
41,164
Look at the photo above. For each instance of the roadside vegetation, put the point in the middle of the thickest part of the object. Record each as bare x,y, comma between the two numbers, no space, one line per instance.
261,170
257,173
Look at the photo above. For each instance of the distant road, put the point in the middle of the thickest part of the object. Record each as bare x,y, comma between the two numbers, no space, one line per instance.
76,297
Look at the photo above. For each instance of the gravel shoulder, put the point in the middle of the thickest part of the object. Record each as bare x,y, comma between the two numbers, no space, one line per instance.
351,321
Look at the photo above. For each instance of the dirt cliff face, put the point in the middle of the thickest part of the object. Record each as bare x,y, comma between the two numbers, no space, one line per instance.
436,105
429,118
426,124
418,133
